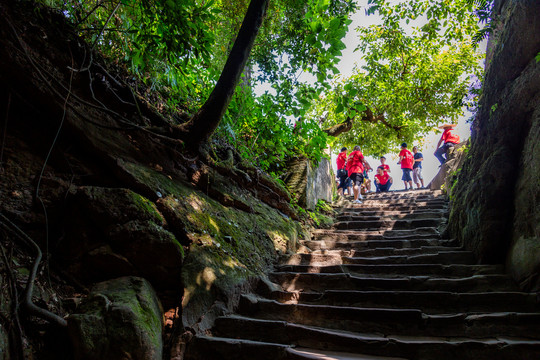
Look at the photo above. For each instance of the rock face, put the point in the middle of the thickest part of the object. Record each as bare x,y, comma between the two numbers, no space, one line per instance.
446,176
121,319
117,232
114,199
495,202
310,184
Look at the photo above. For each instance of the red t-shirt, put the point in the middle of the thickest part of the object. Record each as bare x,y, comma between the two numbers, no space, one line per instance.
447,136
385,167
354,162
408,159
341,160
382,179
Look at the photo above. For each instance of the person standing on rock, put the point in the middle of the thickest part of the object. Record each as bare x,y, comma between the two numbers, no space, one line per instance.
355,168
417,168
406,159
448,139
342,174
383,181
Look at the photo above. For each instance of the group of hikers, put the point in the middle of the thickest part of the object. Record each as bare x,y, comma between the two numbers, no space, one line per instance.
353,168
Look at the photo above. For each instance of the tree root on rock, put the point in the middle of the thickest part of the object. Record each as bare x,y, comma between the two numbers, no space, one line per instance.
27,303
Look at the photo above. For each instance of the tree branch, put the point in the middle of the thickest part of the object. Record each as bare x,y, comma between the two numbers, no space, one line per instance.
367,116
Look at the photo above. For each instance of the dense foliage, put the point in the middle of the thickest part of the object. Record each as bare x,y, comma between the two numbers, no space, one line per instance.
415,79
415,73
178,47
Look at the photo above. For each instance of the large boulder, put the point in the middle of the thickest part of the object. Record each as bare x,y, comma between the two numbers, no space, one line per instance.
446,177
120,319
117,232
309,183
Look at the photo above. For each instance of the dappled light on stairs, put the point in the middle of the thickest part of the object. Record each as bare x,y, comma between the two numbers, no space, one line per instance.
383,284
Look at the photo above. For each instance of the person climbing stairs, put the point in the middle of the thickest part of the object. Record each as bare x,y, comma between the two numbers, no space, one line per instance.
385,283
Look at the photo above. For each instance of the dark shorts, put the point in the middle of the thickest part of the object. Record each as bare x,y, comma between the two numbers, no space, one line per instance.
406,175
357,178
344,182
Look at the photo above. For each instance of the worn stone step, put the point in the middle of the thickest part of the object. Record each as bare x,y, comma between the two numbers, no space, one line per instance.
452,270
430,302
372,244
218,348
382,211
290,281
389,224
378,234
391,215
387,251
414,193
440,348
442,257
404,200
376,205
410,322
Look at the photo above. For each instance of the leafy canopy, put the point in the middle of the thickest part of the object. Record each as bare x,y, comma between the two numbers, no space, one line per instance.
415,72
412,76
178,47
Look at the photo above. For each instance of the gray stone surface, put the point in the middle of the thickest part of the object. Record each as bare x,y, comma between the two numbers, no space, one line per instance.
121,319
404,297
495,210
308,184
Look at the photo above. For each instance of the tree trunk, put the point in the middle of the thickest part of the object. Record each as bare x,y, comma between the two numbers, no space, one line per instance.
203,124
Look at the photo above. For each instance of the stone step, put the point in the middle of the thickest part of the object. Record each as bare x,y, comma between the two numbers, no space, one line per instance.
387,251
378,234
418,197
442,257
331,244
404,200
389,224
410,322
439,270
441,348
291,281
376,205
391,215
430,302
217,348
409,193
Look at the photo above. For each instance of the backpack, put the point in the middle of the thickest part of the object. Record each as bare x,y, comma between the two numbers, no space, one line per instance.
342,172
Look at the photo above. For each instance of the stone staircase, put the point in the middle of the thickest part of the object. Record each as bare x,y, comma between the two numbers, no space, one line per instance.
383,284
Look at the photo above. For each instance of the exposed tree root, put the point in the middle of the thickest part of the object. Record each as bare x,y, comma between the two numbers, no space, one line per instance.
27,303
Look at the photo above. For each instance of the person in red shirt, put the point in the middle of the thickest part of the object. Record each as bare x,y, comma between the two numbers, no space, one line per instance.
383,181
344,181
406,159
448,139
383,164
355,168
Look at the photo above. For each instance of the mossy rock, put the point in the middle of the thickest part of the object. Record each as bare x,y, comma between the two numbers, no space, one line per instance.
109,206
121,319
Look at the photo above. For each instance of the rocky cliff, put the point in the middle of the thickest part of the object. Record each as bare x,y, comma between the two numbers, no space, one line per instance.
121,213
495,203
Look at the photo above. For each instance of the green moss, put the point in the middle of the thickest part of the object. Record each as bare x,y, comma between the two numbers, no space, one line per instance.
147,206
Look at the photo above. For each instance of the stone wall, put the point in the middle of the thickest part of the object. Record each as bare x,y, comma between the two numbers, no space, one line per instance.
495,204
308,183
